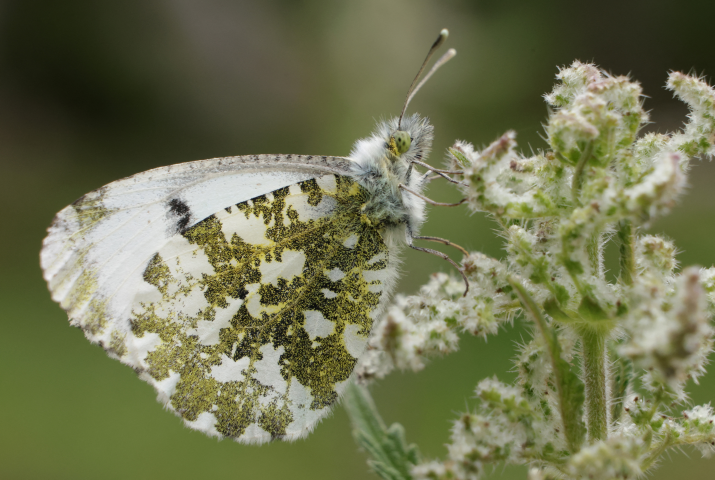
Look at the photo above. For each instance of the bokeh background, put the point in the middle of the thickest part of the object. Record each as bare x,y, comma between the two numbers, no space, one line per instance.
94,91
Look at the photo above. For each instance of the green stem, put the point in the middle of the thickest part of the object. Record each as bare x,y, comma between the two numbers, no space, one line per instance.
594,247
565,259
578,173
533,309
655,454
627,238
570,395
594,376
621,373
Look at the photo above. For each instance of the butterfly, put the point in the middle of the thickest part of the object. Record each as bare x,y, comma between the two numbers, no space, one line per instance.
244,289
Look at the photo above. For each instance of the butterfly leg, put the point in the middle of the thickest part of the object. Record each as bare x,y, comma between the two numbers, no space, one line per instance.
436,170
440,173
443,241
429,200
441,255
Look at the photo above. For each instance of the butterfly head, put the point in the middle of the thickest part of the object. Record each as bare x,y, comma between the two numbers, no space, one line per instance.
399,143
393,149
407,139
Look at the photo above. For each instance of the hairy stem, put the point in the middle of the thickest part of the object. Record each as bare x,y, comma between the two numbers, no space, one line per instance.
568,387
594,376
621,372
594,248
656,452
627,238
578,173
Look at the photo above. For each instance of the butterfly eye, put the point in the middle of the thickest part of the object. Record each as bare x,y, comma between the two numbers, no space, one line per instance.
402,141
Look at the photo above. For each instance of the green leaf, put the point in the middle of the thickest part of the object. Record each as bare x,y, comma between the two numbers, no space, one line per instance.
562,295
392,458
589,309
459,157
551,306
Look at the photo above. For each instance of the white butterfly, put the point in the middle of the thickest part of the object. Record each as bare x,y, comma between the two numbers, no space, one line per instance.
244,289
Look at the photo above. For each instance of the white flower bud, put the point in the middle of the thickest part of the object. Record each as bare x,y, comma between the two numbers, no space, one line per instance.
617,457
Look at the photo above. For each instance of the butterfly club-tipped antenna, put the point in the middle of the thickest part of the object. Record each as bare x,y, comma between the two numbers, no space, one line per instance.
444,59
401,138
403,141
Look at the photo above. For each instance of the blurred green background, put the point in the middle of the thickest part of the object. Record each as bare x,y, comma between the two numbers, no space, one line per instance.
94,91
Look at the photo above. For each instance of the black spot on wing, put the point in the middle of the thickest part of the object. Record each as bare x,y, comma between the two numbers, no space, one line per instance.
180,213
178,207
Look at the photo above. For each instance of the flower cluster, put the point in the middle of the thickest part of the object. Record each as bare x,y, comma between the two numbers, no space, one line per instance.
669,329
600,383
420,326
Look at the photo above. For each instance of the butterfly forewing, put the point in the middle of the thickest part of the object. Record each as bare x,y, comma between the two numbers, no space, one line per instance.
97,247
250,322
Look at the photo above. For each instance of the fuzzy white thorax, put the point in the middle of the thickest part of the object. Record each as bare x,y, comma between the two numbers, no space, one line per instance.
381,173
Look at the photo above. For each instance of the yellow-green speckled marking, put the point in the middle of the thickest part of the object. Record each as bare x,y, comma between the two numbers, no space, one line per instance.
258,313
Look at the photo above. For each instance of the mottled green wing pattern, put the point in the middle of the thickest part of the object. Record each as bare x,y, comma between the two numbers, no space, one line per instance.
252,320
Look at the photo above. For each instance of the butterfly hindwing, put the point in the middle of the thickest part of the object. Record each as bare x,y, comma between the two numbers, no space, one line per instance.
251,321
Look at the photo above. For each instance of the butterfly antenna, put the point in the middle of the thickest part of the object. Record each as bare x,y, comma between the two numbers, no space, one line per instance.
444,59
